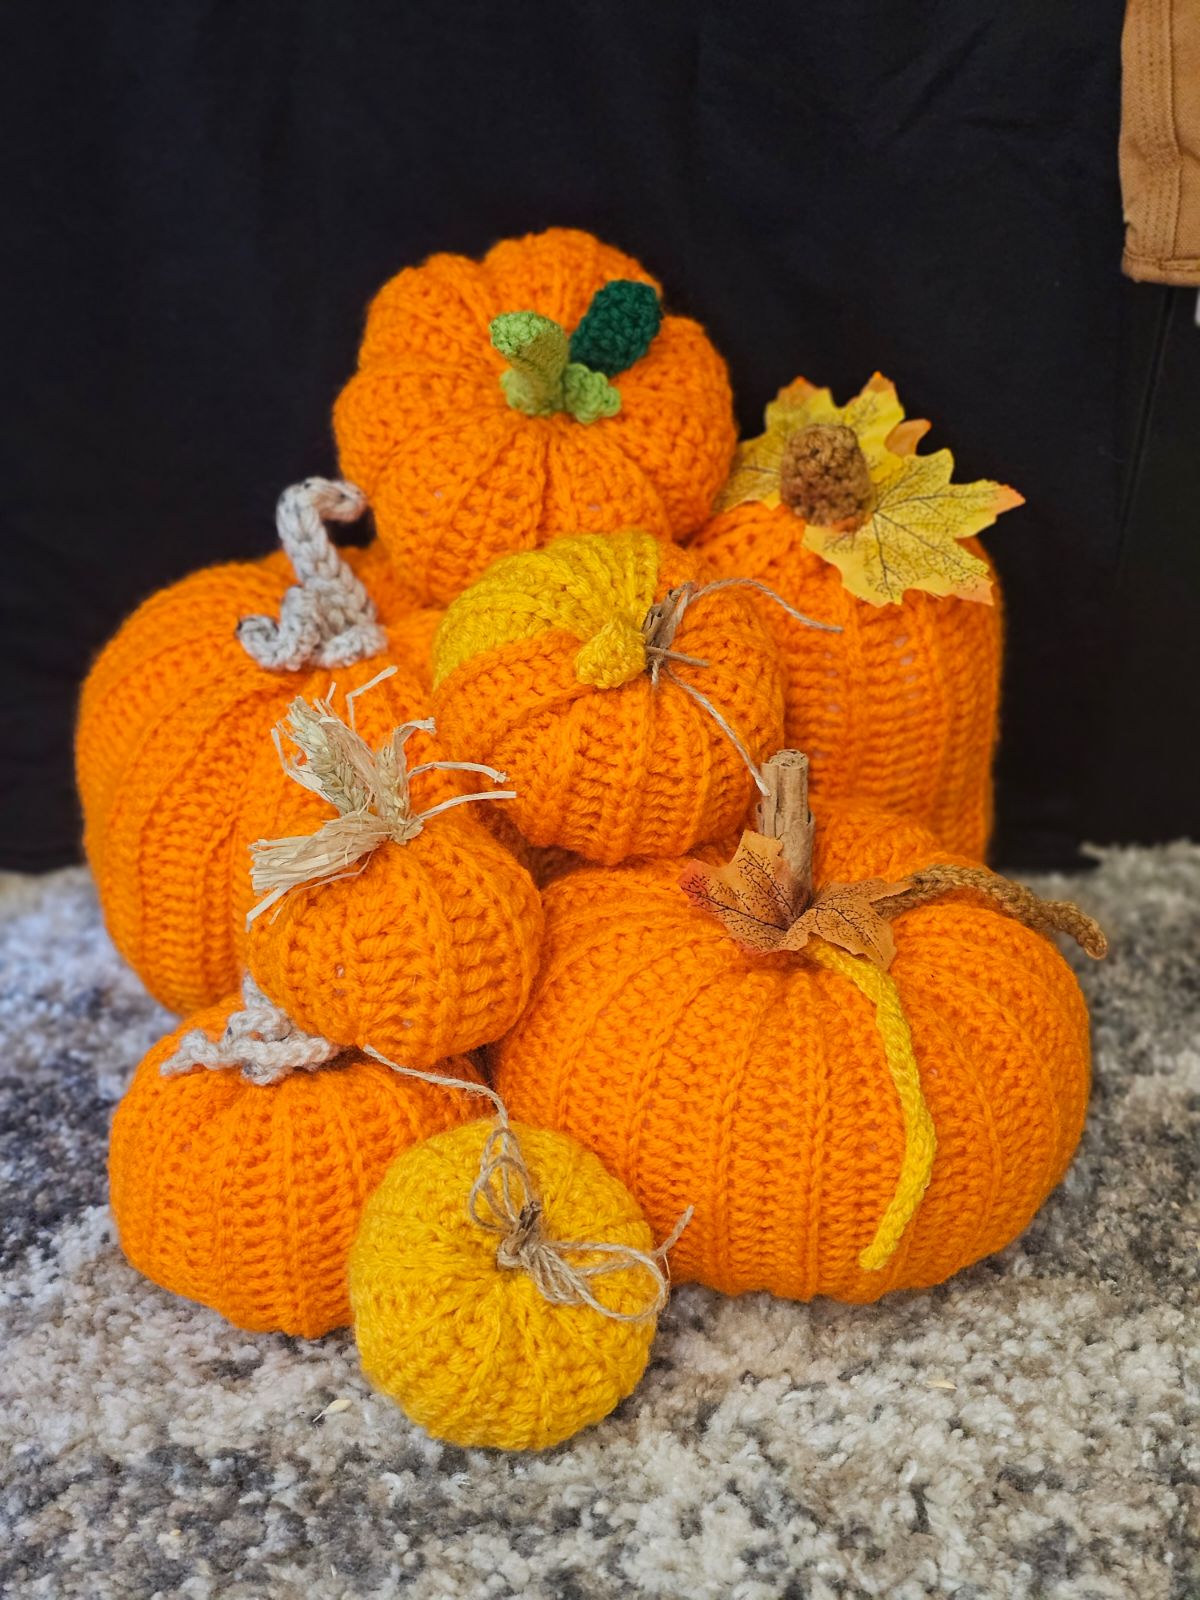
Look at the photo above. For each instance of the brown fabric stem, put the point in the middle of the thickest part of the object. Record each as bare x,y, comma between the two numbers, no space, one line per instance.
1014,899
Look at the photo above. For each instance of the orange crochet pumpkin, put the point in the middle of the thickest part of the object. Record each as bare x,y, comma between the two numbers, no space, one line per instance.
769,1090
175,716
399,921
597,673
500,401
899,709
833,509
246,1196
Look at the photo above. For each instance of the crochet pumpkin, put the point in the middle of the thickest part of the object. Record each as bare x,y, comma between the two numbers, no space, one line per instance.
841,1129
900,707
474,1310
386,914
500,401
176,715
614,688
245,1195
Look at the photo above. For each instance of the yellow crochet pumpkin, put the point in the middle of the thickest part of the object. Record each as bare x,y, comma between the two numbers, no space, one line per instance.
451,1309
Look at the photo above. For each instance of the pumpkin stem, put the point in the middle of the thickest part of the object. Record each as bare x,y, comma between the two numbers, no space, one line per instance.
369,790
260,1040
542,378
783,814
824,477
327,618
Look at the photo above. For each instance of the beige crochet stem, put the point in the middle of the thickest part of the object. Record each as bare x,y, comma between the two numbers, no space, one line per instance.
783,814
260,1040
327,618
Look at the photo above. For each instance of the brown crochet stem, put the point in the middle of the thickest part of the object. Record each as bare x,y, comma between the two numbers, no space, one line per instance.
783,814
824,477
1014,899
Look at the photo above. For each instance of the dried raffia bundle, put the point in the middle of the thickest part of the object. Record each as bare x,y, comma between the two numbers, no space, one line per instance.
242,1154
181,701
833,508
625,695
398,920
505,1286
861,1087
500,401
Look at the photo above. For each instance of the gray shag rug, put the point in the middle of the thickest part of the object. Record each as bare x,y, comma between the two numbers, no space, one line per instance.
1028,1430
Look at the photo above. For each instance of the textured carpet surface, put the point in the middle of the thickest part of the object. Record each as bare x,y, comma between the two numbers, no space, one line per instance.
1030,1429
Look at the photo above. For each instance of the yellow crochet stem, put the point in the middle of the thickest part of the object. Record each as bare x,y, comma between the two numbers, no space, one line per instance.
920,1138
597,586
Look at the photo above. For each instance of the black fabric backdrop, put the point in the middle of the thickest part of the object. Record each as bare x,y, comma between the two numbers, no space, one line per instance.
200,198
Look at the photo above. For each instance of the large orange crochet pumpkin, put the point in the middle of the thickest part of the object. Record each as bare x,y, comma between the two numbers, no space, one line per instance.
247,1196
900,708
834,509
175,717
548,668
464,429
768,1090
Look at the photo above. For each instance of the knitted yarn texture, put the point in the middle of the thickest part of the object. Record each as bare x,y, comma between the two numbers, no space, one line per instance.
546,668
900,708
457,474
422,941
173,757
246,1197
470,1347
757,1087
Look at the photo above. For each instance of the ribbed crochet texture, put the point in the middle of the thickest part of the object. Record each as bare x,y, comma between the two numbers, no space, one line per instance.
174,760
456,476
247,1197
424,949
756,1087
900,708
471,1349
541,669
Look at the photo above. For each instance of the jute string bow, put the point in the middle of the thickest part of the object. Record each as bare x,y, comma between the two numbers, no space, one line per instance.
662,624
327,618
369,789
504,1201
263,1043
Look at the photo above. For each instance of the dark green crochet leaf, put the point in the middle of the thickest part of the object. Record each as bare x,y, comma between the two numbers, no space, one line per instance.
617,327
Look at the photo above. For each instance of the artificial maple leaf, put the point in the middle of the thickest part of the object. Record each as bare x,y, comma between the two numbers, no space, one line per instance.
911,538
875,416
844,914
755,895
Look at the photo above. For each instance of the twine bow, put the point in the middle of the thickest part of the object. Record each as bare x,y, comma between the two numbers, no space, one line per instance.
661,625
369,789
504,1201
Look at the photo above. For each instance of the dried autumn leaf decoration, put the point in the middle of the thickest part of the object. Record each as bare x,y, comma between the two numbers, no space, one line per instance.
908,533
762,906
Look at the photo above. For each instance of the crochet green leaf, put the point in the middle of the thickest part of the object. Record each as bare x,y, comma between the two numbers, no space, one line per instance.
618,327
542,378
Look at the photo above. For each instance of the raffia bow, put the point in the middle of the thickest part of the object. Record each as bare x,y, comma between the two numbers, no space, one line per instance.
369,790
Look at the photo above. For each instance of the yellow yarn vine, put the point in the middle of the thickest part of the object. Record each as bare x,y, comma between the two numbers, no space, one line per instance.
920,1138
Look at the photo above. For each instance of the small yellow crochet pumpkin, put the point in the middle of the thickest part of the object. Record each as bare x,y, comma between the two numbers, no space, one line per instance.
450,1317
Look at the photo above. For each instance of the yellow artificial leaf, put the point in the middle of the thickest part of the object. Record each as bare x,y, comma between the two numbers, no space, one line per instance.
844,914
875,415
911,538
754,895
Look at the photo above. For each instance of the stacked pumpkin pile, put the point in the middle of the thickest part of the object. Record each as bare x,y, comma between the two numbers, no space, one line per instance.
453,825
